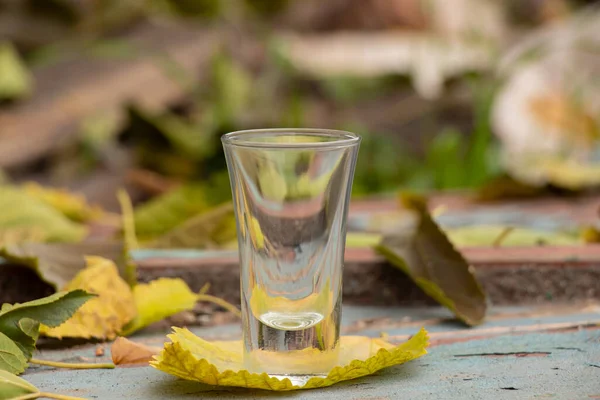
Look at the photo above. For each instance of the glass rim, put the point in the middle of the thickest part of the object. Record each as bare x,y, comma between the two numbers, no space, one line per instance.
338,138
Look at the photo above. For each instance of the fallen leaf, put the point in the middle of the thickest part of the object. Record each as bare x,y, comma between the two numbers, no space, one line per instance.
590,234
13,387
164,213
71,205
221,363
210,229
158,300
233,89
19,210
188,138
432,262
20,323
126,352
12,358
21,235
506,187
570,174
15,80
486,235
59,263
104,316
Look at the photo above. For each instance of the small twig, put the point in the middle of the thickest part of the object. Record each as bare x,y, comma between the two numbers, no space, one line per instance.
47,395
58,364
204,289
128,222
502,236
220,302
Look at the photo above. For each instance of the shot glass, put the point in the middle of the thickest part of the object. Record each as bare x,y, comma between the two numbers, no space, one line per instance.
291,189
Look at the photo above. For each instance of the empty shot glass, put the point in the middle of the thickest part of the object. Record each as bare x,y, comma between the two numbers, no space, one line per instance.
291,189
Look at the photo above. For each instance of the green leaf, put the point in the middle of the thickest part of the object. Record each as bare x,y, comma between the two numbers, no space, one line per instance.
479,151
15,80
431,261
19,211
232,88
207,230
12,386
191,139
164,213
445,160
51,311
58,263
12,358
351,89
30,327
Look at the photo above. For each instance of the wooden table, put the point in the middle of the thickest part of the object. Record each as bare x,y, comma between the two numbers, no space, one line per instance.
519,353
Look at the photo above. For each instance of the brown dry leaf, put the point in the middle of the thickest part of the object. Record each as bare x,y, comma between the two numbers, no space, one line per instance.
126,352
430,259
104,316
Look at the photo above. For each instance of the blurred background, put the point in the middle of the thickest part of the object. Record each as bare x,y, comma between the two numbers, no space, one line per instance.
498,97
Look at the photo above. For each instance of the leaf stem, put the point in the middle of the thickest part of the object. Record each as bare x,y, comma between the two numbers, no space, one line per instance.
59,364
58,396
220,302
37,395
505,232
28,396
204,289
131,242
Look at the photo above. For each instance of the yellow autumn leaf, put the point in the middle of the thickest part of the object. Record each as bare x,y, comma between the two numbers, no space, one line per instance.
221,363
104,316
159,299
487,235
72,205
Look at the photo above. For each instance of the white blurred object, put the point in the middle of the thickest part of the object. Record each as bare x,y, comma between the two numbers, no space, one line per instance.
462,37
547,113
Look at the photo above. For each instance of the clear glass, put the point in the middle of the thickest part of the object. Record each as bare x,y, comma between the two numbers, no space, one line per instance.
291,189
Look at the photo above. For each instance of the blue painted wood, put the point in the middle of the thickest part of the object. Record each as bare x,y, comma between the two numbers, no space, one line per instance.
565,365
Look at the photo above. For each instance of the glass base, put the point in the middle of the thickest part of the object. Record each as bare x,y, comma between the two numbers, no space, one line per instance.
297,380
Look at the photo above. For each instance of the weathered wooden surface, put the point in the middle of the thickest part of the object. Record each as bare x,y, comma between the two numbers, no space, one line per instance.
519,352
509,276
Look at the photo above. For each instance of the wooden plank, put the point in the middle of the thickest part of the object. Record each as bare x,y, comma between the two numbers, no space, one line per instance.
515,275
524,364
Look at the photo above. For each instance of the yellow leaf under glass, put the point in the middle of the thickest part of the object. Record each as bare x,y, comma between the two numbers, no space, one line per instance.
221,363
101,317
